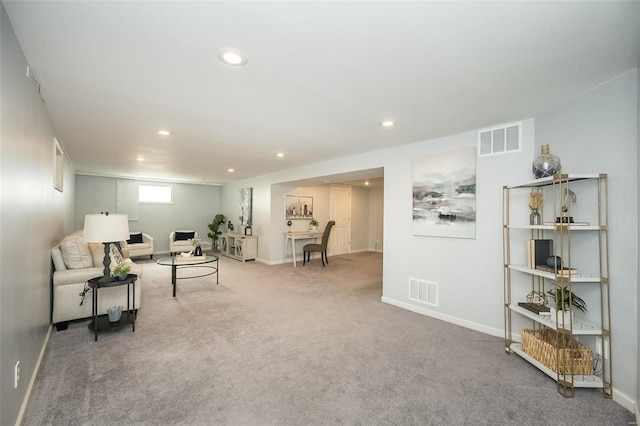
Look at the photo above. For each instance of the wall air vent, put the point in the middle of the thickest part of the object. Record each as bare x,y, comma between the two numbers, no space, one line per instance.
501,139
423,291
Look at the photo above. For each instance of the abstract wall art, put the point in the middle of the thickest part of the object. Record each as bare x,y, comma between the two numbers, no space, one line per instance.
444,194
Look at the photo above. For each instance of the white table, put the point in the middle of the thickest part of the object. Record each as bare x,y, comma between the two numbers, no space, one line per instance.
293,237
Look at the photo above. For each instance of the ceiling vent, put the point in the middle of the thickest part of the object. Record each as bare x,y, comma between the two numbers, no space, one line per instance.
501,139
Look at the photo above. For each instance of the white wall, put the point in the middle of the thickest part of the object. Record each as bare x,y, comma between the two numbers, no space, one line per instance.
194,207
638,261
376,218
360,217
34,216
598,133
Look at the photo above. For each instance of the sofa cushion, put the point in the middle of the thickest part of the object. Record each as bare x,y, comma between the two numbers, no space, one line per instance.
56,256
183,236
97,253
75,252
135,238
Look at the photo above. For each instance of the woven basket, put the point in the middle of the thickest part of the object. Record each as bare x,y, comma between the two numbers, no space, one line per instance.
575,358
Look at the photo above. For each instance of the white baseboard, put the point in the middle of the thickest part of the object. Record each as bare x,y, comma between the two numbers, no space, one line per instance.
618,396
366,250
444,317
25,401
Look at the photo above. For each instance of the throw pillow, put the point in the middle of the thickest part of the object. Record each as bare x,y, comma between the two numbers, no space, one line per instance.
135,238
116,255
97,253
75,252
180,236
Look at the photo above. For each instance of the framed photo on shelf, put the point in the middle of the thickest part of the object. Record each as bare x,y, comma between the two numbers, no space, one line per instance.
298,207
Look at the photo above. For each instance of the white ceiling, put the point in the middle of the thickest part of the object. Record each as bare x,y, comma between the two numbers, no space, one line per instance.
320,76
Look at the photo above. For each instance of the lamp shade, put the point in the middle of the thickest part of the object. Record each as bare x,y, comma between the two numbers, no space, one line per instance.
105,228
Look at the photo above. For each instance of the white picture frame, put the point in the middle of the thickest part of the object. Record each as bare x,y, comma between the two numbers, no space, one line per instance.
58,166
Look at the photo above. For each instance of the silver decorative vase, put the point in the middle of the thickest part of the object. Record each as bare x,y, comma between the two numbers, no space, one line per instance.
114,312
535,218
546,164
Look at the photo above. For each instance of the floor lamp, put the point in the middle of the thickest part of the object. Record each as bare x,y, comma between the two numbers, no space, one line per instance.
106,228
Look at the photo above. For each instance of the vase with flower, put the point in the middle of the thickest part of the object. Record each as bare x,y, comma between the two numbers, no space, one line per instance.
535,204
197,249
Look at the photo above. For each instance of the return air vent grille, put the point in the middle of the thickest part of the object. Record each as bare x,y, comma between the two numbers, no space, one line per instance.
502,139
423,291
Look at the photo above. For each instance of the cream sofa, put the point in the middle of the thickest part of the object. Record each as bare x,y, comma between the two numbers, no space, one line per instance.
182,243
71,273
145,248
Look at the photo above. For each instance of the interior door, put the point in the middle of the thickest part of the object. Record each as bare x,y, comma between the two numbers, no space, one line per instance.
340,240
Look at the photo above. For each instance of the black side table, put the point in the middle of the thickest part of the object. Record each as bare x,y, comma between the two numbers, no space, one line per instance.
101,323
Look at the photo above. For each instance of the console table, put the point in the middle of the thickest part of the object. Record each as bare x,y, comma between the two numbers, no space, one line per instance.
293,237
239,246
101,323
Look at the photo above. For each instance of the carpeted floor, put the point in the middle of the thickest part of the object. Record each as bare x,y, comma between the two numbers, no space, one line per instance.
277,345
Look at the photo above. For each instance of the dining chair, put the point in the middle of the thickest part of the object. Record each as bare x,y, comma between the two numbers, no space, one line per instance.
322,247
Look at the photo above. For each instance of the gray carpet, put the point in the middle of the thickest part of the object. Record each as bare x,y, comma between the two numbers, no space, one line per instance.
277,345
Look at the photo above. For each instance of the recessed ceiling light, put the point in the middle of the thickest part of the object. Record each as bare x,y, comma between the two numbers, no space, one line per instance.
232,57
280,155
387,123
139,158
230,170
366,183
164,132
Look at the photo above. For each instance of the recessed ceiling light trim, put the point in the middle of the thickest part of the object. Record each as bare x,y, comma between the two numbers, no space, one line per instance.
233,57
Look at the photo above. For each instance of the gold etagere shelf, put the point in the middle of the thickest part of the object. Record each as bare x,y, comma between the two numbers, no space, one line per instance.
555,350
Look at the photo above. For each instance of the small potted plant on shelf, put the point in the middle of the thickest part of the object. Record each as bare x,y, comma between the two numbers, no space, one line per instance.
313,225
121,271
564,299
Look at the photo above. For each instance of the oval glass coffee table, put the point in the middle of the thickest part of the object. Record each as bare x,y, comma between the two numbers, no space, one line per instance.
176,262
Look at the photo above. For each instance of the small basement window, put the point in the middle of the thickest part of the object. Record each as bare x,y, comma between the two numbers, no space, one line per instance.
155,194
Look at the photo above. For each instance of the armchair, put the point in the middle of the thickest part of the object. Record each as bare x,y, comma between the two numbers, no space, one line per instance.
139,244
180,241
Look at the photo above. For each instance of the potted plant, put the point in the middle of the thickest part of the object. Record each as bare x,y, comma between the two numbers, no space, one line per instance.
214,227
121,271
564,299
313,225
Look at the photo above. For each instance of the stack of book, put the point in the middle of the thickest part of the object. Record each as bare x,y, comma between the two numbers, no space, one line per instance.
538,251
535,308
